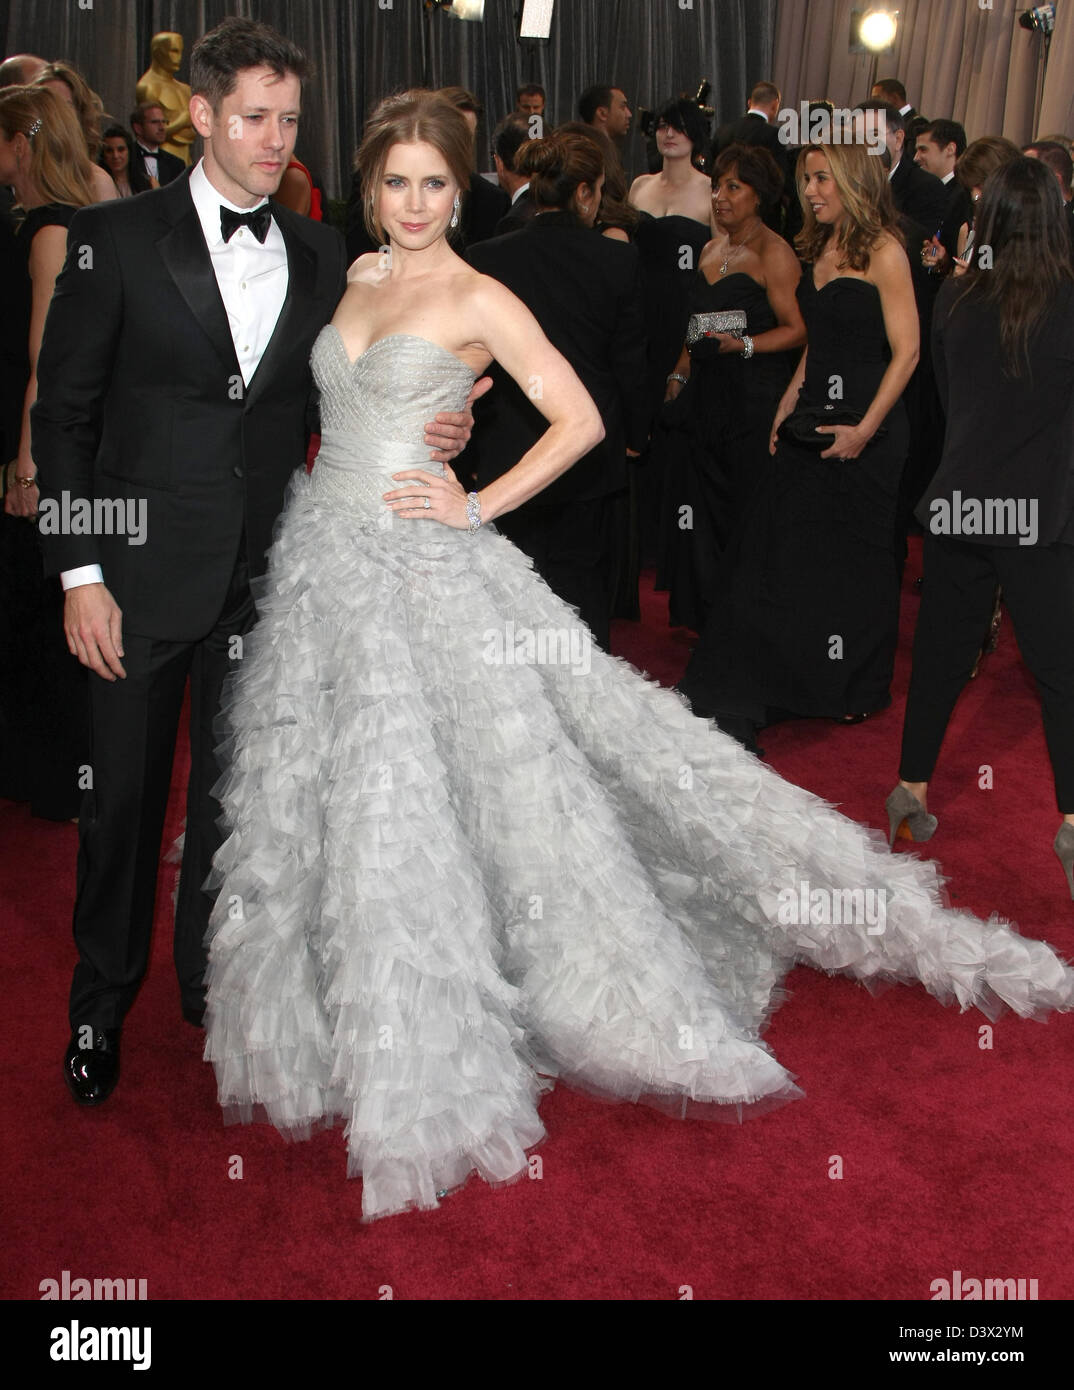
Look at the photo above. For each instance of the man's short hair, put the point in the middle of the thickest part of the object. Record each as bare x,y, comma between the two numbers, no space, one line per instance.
509,137
529,89
944,133
895,119
764,94
893,87
139,113
463,100
235,45
1058,159
593,98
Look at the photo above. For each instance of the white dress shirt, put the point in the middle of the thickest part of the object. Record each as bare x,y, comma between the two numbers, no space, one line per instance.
518,192
252,279
149,159
752,111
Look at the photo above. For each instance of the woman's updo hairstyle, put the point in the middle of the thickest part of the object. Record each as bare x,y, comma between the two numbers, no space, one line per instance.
557,165
416,117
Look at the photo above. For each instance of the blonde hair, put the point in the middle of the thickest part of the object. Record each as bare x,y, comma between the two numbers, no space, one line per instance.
88,105
865,192
419,116
59,165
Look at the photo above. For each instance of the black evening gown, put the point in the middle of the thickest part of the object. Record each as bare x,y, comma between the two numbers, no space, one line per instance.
44,703
804,619
711,446
670,249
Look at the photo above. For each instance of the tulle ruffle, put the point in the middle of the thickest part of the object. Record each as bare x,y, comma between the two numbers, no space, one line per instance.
456,870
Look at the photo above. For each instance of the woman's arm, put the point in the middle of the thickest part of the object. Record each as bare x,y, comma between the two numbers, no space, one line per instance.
889,271
788,400
47,251
294,192
509,332
782,272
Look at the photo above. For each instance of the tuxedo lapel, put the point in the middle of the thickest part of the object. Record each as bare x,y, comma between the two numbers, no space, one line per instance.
184,253
301,283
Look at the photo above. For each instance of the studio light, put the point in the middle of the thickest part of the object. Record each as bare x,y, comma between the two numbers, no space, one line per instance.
1040,17
878,29
458,9
536,19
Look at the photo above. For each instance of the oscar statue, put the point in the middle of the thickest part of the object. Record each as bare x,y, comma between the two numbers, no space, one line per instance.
160,85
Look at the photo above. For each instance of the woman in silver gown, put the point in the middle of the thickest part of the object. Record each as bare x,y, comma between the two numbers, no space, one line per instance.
469,852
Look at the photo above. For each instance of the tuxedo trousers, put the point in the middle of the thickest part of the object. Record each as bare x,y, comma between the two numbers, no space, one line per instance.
570,546
134,722
957,599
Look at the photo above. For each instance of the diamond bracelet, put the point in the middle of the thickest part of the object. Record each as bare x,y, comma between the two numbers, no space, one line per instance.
473,511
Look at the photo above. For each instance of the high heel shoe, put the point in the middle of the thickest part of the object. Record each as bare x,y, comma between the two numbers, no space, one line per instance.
904,810
1064,848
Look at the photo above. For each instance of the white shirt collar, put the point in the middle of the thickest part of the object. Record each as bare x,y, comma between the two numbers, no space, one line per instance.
208,202
948,177
518,193
891,171
752,111
903,109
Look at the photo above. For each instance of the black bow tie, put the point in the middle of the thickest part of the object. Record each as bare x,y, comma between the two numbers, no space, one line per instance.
258,221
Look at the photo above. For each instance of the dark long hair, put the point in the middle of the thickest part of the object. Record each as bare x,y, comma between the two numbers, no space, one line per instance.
136,175
1021,226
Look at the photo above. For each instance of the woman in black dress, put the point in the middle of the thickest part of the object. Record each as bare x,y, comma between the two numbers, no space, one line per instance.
804,620
44,736
1001,507
713,445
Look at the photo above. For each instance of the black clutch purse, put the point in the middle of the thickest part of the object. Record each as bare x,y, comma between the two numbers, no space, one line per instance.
800,427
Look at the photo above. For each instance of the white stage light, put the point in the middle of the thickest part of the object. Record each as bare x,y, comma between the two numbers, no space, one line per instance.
878,29
465,9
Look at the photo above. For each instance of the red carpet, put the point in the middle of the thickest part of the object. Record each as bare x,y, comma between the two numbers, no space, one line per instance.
954,1156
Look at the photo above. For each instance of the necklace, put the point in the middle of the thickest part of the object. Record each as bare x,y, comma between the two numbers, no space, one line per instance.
732,248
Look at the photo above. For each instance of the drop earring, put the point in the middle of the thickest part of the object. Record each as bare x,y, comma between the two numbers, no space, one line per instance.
455,213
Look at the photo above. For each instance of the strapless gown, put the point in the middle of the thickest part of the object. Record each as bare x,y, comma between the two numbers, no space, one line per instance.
469,852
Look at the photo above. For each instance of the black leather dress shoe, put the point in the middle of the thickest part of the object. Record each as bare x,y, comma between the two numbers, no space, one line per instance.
91,1073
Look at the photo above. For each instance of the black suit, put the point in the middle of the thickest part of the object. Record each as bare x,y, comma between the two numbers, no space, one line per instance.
755,130
919,195
585,290
141,400
959,213
521,211
169,166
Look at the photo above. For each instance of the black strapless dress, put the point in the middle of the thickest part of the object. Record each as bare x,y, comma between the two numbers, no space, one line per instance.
670,249
804,618
711,446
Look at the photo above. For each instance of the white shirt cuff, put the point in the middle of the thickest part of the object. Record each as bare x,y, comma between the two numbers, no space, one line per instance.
85,574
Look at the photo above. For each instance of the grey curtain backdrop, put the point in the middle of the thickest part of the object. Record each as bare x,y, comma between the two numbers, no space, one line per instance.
363,49
957,58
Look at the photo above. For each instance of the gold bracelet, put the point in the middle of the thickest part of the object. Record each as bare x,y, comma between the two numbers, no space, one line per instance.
26,482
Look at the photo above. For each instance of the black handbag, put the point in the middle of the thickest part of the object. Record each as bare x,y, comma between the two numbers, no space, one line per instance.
800,427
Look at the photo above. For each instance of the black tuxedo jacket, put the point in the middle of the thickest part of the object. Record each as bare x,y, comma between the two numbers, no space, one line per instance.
919,195
585,291
523,210
141,400
169,166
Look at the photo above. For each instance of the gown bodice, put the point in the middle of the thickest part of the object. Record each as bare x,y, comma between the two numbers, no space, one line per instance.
845,323
374,411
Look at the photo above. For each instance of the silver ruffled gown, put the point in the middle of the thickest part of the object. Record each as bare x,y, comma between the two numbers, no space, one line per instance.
470,852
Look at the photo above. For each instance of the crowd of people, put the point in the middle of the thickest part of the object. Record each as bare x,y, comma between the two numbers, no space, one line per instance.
754,363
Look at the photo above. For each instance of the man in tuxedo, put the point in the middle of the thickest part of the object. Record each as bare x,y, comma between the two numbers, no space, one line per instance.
150,126
209,286
1058,159
917,195
940,145
892,91
759,126
606,108
508,138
